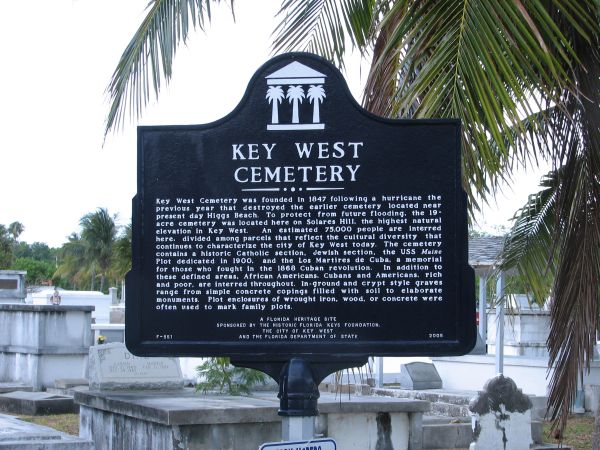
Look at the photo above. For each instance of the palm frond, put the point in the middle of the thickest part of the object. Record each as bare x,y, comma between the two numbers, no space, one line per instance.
148,58
574,311
529,248
480,61
322,26
382,84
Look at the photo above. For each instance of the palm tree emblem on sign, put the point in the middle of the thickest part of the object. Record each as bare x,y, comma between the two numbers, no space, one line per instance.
275,96
295,95
301,82
316,95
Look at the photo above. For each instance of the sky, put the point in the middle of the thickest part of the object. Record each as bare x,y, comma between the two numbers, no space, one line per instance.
57,59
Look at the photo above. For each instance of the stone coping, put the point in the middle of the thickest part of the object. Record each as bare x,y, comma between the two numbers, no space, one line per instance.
108,326
26,307
187,407
44,350
35,403
11,386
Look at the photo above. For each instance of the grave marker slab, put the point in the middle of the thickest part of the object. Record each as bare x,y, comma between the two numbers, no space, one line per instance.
113,367
419,375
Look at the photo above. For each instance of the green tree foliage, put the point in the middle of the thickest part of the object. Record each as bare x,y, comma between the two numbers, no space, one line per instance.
100,252
37,259
8,243
122,253
98,232
15,229
522,76
74,268
6,248
38,271
219,374
38,251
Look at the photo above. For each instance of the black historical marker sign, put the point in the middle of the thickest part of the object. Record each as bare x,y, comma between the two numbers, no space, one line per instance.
300,225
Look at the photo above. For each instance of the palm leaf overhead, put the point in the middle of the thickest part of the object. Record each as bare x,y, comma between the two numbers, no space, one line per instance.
572,132
480,61
323,26
148,58
529,247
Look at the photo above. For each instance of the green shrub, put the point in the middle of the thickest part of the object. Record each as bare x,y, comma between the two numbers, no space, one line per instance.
219,374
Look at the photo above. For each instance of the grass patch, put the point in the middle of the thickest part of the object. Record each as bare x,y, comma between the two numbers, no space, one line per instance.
577,434
67,423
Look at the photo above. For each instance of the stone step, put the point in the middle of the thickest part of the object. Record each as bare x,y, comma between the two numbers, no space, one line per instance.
447,435
68,383
449,410
68,392
431,395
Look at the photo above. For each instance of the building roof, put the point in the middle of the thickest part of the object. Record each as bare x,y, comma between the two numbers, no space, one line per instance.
296,70
484,251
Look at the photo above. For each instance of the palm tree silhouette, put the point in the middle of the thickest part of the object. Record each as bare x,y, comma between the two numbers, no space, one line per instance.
15,229
316,94
275,97
98,231
295,95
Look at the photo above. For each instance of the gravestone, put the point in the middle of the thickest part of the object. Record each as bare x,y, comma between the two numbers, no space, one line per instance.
112,367
501,416
419,375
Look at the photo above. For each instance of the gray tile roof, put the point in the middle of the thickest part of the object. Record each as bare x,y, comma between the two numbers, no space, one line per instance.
483,251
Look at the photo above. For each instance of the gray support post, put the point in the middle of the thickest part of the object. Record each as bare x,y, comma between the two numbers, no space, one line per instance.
379,371
500,324
483,308
300,428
